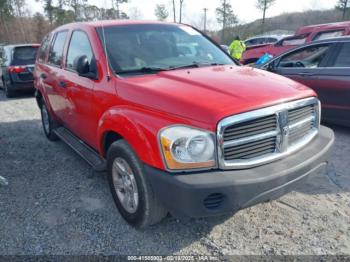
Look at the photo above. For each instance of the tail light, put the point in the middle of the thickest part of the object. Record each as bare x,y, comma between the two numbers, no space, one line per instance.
16,69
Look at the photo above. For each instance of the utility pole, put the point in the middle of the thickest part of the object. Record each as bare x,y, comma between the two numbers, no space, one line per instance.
181,2
205,19
345,8
224,23
264,16
174,11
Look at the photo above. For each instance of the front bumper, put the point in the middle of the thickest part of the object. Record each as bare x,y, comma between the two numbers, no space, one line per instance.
220,192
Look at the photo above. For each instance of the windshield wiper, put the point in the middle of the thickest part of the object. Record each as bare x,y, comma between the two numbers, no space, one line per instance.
143,70
194,65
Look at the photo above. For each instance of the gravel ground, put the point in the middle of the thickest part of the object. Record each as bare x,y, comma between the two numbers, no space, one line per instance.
56,204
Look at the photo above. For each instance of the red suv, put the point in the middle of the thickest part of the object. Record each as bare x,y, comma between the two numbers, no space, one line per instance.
178,126
305,34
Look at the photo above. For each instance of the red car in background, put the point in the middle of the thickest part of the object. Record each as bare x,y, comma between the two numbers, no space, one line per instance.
303,35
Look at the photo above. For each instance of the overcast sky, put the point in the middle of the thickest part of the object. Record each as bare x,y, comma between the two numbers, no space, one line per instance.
193,9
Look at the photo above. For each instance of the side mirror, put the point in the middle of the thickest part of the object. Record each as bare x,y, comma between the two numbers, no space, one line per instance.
85,69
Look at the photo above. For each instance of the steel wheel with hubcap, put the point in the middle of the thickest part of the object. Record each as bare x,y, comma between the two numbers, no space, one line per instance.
125,185
47,122
131,191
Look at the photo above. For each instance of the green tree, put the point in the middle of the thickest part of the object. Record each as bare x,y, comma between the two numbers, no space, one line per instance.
161,12
6,8
49,10
344,7
6,13
264,5
225,16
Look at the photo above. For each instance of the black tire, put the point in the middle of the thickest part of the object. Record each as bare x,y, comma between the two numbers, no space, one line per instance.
9,93
50,124
148,211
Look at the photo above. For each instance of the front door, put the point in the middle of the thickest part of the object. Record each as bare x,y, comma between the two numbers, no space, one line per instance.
79,89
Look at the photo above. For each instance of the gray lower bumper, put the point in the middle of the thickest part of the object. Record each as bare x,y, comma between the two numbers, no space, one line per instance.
219,192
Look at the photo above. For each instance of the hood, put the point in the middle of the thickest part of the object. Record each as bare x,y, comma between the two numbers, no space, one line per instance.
209,94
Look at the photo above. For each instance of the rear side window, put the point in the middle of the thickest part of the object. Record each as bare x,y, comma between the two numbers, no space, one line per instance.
24,55
294,41
79,45
343,59
328,34
56,52
43,49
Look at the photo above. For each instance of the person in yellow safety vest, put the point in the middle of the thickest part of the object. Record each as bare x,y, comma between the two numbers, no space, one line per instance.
236,48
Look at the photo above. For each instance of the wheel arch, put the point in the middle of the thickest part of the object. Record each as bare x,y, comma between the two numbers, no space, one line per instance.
139,129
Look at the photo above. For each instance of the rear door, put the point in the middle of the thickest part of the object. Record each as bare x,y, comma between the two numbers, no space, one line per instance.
79,89
52,78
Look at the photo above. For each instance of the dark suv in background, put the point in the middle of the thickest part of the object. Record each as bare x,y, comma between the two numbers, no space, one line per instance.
17,65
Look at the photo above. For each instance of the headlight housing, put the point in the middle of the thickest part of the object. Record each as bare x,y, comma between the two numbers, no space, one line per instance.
185,148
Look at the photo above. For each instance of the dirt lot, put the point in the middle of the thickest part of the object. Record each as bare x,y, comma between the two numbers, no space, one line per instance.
55,204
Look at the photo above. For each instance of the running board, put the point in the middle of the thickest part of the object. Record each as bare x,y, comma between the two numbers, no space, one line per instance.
87,153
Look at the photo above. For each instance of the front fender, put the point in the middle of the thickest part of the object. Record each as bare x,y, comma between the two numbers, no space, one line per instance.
139,128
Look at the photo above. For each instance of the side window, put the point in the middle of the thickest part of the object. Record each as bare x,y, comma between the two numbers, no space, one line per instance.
56,52
328,34
43,48
343,58
310,57
79,45
294,41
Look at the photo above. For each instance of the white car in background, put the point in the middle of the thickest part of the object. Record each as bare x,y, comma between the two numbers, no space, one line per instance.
261,40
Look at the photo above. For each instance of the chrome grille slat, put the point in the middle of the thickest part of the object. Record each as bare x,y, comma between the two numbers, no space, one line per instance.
269,119
261,136
246,140
255,152
251,145
249,132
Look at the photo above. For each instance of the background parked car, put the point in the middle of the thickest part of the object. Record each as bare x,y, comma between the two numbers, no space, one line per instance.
325,67
305,34
17,65
262,40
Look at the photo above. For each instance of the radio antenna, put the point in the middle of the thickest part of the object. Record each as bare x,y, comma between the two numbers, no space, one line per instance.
105,49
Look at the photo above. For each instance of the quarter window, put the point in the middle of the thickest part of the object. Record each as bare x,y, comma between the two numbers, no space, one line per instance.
79,46
329,34
56,52
43,48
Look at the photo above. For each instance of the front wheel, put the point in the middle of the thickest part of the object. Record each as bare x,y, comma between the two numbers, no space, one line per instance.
132,193
48,123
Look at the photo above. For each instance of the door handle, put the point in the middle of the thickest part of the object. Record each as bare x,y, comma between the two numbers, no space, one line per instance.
62,84
306,74
43,76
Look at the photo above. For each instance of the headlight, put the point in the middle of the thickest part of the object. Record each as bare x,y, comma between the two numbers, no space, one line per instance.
187,148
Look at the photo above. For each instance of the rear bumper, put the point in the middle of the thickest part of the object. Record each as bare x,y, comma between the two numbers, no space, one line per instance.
21,86
220,192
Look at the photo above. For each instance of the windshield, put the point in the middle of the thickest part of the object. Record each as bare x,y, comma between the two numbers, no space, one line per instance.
24,55
156,47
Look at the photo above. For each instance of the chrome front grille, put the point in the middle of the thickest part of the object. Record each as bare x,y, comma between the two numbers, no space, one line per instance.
264,135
